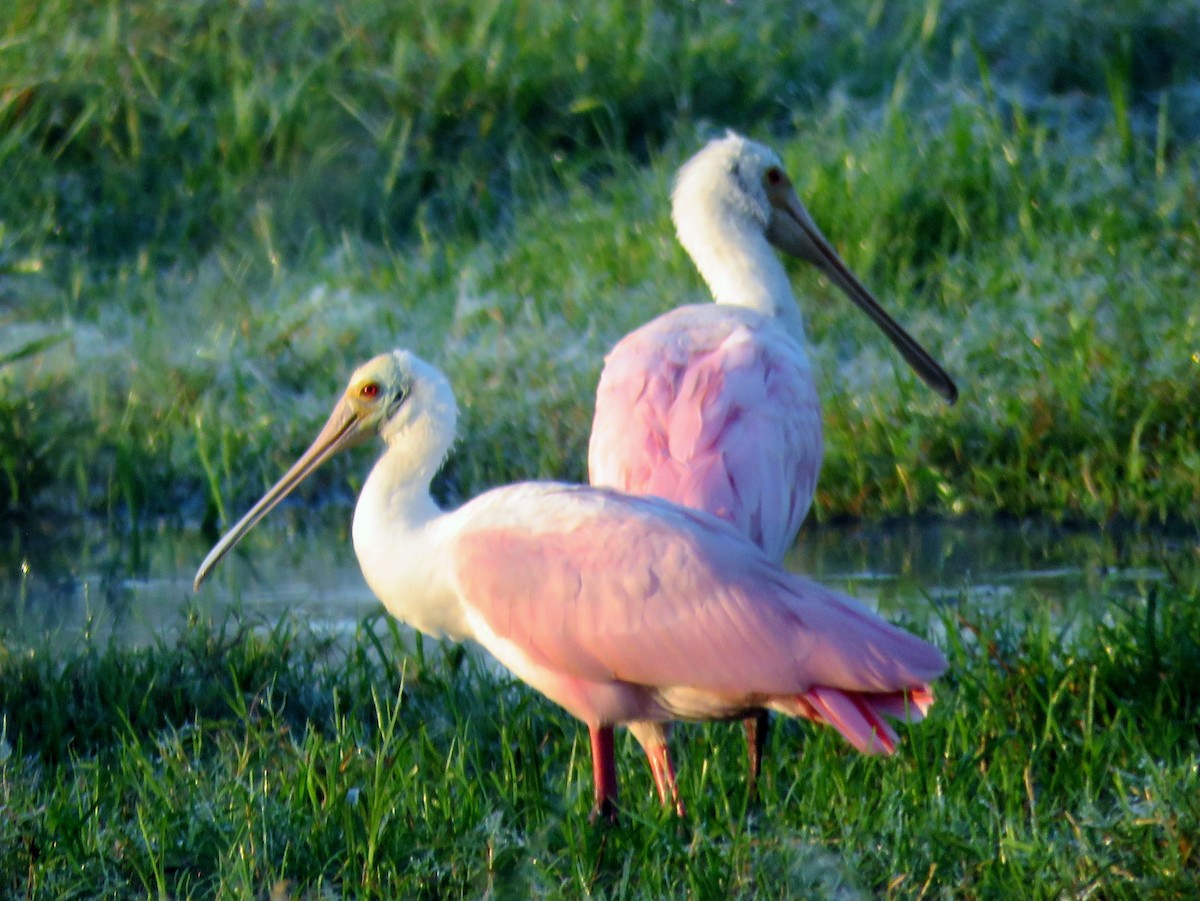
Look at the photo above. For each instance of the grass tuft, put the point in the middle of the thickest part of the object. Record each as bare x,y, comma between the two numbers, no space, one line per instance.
1057,755
213,213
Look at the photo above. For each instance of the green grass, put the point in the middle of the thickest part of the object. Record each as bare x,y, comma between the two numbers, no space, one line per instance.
212,212
1060,759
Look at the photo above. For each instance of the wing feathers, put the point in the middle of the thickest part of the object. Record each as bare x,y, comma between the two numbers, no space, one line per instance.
855,719
647,593
713,408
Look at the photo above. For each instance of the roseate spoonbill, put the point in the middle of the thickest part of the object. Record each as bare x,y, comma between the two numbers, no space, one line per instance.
620,609
713,406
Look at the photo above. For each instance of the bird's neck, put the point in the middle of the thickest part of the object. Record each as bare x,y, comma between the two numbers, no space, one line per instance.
741,268
397,490
404,504
396,494
399,532
396,539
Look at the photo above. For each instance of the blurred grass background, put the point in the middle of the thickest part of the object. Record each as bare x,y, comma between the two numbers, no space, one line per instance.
211,211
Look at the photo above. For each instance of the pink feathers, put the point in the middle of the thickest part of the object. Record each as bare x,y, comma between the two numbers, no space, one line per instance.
621,609
641,610
713,408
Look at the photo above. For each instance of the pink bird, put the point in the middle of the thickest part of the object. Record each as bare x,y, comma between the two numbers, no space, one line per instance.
619,609
713,406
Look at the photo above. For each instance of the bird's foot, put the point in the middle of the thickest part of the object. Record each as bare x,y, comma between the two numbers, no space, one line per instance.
604,813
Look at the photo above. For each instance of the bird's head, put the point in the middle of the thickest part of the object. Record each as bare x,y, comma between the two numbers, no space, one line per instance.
731,180
742,183
396,395
735,192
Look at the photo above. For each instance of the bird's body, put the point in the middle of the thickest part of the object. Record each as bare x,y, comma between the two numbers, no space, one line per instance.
720,414
715,406
620,609
623,609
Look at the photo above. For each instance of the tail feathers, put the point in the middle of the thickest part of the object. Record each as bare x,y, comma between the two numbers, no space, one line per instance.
858,716
852,716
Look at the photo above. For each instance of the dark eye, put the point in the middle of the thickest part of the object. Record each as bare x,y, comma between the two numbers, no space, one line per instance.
369,391
775,176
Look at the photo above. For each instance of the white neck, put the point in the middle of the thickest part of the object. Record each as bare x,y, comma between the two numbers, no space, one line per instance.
397,492
396,526
418,439
741,268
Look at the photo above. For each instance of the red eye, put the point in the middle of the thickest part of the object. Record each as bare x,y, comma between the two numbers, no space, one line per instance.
369,390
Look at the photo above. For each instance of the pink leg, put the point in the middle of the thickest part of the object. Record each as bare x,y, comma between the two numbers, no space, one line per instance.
756,727
604,773
663,772
653,739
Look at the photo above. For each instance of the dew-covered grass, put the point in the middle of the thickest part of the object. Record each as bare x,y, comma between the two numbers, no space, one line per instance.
237,760
212,212
209,213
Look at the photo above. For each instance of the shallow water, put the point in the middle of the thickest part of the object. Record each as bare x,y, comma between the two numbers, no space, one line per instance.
986,561
136,587
60,584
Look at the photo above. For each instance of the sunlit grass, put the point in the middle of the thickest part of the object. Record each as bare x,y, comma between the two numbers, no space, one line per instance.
1035,226
1057,760
180,322
211,212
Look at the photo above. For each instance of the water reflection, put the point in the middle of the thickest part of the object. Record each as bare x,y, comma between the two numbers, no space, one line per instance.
134,587
60,583
990,562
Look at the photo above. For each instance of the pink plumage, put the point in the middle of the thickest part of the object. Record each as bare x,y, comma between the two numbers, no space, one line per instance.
624,610
714,408
640,610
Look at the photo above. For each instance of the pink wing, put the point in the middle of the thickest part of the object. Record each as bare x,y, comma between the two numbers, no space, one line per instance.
637,591
712,407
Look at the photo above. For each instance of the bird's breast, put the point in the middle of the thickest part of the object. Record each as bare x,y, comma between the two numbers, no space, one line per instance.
405,565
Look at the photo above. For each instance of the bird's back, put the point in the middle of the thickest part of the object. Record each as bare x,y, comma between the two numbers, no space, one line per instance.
713,407
600,587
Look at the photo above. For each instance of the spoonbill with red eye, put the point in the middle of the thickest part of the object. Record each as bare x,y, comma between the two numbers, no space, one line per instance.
713,406
620,609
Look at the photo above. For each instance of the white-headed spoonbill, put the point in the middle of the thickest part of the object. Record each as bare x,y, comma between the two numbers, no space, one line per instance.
620,609
714,406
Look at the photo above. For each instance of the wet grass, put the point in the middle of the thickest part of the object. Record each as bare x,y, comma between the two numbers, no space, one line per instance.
211,213
236,761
